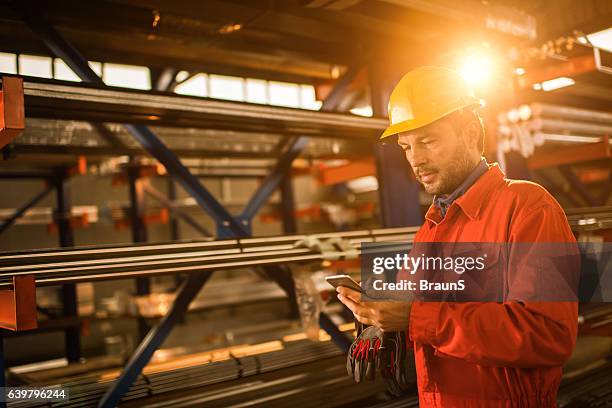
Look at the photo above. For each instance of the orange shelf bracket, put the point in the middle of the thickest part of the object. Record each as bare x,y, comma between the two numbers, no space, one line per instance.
12,111
18,305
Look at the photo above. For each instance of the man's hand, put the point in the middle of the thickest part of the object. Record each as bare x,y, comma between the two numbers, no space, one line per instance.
388,316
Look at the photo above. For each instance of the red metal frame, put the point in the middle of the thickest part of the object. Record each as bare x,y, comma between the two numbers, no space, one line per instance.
18,305
573,154
12,111
572,67
350,171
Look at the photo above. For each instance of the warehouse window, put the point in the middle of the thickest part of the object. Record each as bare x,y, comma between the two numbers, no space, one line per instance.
126,76
227,87
249,90
362,111
63,71
194,86
308,98
256,91
284,94
33,65
8,63
96,67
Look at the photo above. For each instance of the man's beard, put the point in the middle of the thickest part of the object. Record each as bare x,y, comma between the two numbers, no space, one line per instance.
449,178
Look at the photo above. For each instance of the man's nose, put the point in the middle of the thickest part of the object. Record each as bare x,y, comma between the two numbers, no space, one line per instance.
416,157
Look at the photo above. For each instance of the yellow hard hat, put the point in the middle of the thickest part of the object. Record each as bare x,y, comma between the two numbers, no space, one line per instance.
425,95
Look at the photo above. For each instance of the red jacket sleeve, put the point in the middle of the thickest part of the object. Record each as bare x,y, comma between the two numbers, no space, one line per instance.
510,334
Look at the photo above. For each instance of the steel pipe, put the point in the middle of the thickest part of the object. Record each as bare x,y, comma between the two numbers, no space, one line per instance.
568,112
557,125
79,102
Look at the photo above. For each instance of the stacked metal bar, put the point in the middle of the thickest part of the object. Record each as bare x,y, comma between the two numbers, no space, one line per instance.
98,263
88,391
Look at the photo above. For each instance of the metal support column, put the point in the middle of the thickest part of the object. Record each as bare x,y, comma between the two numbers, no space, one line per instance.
66,239
139,229
398,190
154,339
175,231
288,206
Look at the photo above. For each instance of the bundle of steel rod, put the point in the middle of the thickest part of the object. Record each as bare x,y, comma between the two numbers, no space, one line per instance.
322,383
98,263
87,391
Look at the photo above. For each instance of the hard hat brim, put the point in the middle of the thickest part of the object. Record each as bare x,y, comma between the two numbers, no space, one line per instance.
413,124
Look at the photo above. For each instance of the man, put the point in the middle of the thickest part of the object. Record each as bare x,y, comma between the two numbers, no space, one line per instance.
473,354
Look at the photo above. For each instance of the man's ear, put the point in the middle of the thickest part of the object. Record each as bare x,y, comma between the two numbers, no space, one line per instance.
471,133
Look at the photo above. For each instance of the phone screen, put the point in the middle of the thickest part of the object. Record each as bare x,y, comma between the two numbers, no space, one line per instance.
343,280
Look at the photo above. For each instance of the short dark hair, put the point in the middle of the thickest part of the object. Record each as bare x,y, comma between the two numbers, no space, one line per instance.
462,117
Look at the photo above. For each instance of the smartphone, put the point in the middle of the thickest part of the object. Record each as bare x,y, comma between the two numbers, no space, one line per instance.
343,280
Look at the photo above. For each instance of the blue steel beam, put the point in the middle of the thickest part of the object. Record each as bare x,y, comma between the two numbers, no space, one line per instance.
139,229
72,335
292,150
154,339
21,210
288,206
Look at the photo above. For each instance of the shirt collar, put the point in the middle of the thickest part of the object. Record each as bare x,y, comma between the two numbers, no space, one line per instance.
444,202
472,200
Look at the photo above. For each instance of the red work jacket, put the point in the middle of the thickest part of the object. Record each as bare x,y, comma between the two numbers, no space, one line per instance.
506,354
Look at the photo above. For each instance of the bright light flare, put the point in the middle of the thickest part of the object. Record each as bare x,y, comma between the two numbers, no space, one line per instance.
476,69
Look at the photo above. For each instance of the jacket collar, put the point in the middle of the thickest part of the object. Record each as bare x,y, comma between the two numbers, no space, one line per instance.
473,199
